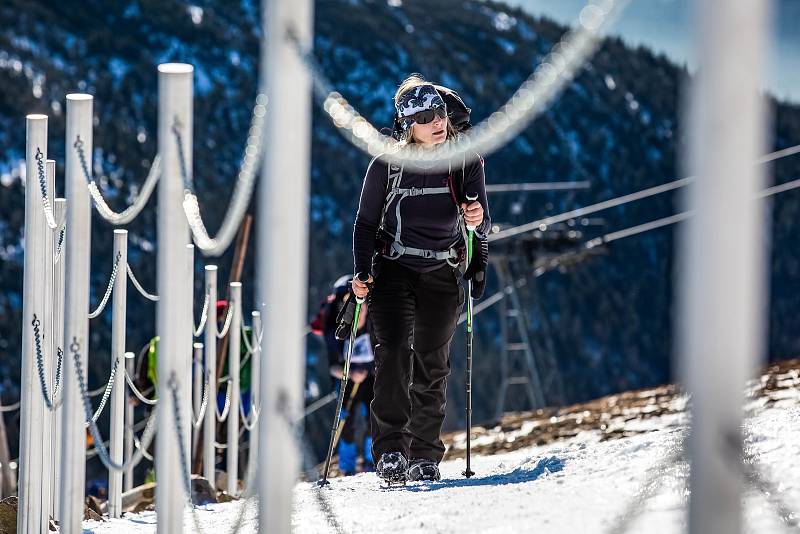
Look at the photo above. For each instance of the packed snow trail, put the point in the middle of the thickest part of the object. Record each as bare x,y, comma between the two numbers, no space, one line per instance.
578,485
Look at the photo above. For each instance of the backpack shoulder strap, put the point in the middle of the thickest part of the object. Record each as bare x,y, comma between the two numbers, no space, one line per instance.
394,174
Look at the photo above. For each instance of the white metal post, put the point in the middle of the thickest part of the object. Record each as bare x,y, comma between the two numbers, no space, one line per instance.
722,277
198,384
50,345
255,395
118,320
32,410
187,346
282,256
210,346
128,478
77,254
234,357
60,211
174,116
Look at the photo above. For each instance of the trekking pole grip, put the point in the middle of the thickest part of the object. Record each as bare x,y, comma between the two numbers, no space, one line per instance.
471,198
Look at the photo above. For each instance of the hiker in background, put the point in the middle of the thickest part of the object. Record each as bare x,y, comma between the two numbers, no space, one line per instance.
359,391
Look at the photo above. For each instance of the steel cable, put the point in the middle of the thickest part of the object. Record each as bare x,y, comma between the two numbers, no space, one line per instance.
639,195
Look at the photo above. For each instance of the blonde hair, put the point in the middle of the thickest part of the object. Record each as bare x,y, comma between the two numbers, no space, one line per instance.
413,81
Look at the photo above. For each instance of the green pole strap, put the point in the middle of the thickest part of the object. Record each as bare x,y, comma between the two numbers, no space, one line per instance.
346,370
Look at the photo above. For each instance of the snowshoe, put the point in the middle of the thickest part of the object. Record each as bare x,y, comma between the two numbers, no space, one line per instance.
423,470
392,468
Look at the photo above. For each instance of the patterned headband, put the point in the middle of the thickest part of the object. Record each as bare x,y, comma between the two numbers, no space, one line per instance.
418,99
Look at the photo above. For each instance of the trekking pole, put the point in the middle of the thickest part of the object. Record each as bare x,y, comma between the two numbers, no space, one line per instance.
342,387
470,234
347,409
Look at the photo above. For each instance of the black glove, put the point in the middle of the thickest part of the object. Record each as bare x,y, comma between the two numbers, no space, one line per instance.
344,319
476,270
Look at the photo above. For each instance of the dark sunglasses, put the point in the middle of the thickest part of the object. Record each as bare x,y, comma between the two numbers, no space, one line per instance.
424,117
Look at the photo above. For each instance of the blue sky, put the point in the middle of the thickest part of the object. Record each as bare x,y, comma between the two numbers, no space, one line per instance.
664,25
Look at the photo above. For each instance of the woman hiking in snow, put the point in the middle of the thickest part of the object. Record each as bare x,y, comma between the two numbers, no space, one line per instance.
414,270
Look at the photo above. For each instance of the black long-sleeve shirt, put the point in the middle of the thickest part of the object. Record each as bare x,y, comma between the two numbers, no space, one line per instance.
428,221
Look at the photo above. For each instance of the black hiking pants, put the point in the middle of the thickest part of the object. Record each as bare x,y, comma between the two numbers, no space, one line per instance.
414,316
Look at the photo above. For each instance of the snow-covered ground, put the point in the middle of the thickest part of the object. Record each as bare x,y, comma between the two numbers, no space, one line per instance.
583,484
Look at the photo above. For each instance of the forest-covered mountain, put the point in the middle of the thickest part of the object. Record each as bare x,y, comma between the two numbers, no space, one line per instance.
606,323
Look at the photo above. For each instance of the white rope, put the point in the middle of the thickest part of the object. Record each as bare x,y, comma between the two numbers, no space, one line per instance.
242,191
48,214
132,211
557,69
250,347
197,421
222,333
249,423
10,407
142,450
139,287
59,246
110,287
46,207
319,403
95,392
99,444
109,386
203,317
227,407
245,360
139,394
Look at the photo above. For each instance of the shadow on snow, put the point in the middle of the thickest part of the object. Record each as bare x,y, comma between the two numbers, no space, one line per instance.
520,475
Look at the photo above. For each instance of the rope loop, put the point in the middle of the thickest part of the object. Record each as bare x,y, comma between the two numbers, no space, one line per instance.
109,289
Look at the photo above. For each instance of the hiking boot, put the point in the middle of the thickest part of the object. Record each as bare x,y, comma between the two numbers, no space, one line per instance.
423,470
392,467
